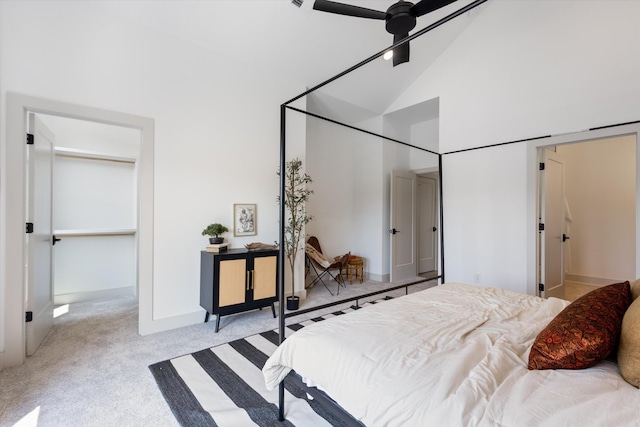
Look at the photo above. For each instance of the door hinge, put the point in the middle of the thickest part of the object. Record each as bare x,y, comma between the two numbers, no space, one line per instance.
29,316
541,287
29,139
29,227
541,227
541,166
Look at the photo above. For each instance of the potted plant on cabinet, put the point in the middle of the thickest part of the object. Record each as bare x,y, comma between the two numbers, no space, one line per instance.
214,231
296,194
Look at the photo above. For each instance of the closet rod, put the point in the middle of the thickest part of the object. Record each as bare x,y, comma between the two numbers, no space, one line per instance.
96,233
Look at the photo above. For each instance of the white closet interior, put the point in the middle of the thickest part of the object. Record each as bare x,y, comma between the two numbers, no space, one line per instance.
94,209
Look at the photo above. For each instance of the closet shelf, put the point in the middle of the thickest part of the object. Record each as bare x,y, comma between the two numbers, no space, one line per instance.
92,155
96,232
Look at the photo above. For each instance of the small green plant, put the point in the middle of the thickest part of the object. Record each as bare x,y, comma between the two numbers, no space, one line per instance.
296,194
214,230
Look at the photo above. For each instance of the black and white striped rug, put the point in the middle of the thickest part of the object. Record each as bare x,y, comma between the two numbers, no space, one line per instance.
224,386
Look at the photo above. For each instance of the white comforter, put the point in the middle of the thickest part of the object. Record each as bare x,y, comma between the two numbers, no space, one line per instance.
454,355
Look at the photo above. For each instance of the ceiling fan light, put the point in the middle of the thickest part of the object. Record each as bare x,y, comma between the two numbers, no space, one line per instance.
388,55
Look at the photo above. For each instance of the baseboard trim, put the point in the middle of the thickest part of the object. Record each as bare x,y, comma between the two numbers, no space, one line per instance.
70,298
173,322
590,280
384,278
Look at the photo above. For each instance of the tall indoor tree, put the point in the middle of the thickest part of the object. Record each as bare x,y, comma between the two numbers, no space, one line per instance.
296,195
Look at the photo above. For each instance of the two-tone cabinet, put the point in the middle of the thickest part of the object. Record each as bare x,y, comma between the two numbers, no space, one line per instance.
238,280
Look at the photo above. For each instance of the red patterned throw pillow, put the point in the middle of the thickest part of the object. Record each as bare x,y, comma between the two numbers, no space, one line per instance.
585,332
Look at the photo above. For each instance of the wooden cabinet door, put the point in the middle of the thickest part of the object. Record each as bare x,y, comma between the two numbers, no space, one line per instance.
264,277
232,282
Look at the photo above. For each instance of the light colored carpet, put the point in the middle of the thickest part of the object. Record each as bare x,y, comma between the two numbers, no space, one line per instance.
574,290
92,369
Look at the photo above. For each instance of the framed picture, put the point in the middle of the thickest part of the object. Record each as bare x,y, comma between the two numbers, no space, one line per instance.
244,220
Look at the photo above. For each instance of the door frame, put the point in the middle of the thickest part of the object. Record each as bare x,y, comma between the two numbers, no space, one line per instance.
13,205
533,188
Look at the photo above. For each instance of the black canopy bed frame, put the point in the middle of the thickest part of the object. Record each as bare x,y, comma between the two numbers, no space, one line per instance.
283,127
318,395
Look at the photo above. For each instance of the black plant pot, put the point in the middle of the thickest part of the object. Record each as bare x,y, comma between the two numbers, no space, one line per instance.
216,240
293,303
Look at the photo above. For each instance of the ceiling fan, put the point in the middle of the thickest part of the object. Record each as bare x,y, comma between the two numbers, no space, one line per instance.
400,18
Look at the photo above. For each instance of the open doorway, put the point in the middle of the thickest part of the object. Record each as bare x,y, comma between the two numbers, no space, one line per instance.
82,207
82,202
94,204
17,301
587,226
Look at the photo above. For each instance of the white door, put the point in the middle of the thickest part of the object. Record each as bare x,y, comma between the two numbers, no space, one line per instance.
552,216
39,292
426,224
403,225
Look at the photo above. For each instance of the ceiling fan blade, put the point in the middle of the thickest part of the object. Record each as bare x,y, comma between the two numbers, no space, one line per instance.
400,53
425,6
347,9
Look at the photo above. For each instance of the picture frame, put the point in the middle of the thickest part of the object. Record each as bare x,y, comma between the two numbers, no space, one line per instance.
245,219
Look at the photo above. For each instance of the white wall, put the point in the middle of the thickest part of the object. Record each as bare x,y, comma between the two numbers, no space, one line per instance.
600,187
216,125
520,70
485,220
94,267
427,133
95,137
92,196
351,172
346,205
370,204
535,67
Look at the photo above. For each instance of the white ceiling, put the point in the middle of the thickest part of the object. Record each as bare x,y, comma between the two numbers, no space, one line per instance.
275,36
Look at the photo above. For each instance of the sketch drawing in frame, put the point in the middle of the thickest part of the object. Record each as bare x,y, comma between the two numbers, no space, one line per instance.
244,219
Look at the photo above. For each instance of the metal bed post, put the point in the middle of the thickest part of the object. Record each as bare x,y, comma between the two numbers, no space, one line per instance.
283,131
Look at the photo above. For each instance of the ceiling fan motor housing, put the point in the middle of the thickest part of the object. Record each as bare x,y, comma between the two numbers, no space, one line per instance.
400,19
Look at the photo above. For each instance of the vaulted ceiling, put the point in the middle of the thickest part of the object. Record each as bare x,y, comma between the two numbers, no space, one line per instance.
277,37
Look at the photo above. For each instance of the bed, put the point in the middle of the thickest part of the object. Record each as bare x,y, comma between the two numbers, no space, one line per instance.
455,355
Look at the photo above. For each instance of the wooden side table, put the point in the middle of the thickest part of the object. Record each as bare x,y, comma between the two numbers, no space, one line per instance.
355,269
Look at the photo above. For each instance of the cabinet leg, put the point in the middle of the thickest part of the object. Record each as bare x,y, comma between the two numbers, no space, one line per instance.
217,322
273,310
206,317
